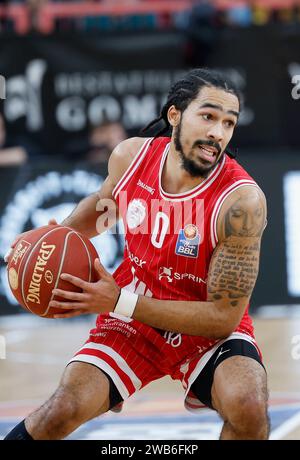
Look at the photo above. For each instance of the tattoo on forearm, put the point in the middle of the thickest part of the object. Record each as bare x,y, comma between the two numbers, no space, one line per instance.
234,269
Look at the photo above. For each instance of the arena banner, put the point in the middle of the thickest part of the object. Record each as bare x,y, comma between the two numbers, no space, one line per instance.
58,86
290,106
31,195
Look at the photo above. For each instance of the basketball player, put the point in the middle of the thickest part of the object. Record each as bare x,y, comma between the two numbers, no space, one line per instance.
178,303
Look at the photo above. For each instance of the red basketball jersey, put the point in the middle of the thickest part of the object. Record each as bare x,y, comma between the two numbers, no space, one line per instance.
170,238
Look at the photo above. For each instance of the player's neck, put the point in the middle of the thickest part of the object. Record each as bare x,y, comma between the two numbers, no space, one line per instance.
174,178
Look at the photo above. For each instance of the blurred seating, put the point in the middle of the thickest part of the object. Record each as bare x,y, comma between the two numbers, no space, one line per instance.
47,16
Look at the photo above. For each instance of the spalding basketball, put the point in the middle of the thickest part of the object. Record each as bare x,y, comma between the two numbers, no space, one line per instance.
38,260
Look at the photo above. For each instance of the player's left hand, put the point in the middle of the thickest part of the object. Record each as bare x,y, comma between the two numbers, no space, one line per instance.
98,297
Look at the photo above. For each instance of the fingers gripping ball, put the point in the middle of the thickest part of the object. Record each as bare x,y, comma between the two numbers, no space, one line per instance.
40,258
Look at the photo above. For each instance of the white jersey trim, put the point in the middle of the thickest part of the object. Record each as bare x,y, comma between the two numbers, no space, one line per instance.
132,167
215,214
120,362
101,364
194,191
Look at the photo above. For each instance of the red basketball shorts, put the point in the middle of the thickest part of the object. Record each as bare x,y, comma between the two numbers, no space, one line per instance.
134,354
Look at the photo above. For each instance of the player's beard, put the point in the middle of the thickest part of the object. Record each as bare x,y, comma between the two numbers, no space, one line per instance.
190,165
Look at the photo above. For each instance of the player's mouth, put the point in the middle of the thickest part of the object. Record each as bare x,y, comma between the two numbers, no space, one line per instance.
208,153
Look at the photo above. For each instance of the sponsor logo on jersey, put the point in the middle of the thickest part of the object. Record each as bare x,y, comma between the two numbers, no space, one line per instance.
139,262
188,241
167,273
136,213
135,259
146,187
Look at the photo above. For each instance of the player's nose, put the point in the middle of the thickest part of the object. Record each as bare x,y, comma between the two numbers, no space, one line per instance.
215,133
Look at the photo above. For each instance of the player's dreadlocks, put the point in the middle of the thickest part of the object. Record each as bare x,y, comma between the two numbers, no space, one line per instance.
184,91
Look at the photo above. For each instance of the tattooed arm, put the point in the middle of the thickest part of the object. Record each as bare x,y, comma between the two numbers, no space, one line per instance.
235,262
232,274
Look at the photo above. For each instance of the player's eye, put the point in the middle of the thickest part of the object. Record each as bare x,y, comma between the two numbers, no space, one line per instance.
237,213
229,123
207,116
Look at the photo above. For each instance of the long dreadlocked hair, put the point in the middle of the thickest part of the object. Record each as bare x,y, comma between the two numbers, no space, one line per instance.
184,91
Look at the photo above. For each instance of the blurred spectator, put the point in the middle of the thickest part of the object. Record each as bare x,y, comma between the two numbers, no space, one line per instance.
240,16
103,139
200,28
286,15
203,17
34,8
261,15
10,156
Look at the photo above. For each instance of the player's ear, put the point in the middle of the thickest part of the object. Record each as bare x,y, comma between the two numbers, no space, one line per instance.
174,116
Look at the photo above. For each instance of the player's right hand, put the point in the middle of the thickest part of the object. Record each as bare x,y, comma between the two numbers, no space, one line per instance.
21,235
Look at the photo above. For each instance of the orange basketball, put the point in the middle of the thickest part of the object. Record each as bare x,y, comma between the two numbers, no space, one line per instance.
38,260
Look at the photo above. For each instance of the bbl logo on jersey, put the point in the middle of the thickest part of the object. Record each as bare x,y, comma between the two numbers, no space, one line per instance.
188,241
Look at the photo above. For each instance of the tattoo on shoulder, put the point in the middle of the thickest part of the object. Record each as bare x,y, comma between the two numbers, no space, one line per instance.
246,216
234,269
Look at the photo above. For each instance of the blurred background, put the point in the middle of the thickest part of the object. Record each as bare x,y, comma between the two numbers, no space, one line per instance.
83,75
